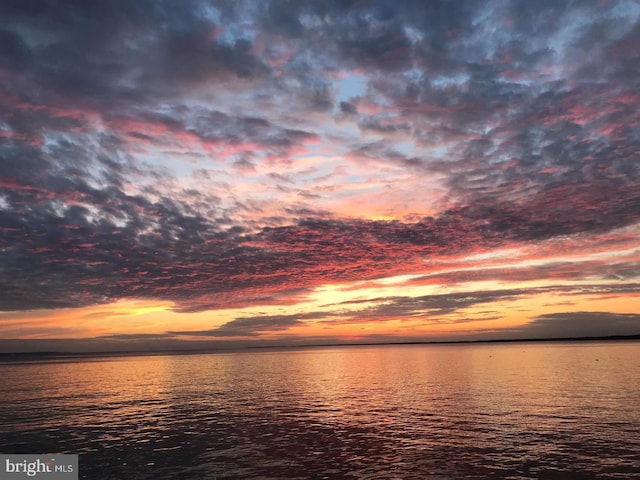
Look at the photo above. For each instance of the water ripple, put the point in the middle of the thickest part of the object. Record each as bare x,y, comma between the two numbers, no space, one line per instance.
458,412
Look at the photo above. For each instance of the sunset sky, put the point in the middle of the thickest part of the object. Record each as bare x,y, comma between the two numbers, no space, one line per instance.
192,174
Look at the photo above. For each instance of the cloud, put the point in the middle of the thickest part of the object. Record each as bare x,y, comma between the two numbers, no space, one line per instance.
348,108
554,272
135,336
254,326
117,245
147,149
154,48
450,307
432,306
582,324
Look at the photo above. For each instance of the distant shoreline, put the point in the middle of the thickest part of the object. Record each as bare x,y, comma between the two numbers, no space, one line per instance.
53,355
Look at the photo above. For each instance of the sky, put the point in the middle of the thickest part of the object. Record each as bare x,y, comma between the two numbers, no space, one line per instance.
193,174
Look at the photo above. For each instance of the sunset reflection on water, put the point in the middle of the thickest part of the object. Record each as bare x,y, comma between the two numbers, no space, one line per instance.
517,410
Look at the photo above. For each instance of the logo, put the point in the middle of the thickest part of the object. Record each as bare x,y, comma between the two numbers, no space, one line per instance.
46,467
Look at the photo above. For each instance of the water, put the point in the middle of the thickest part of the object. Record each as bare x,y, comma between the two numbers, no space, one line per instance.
517,411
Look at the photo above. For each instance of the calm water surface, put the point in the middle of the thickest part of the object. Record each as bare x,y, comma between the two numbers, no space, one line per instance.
518,411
